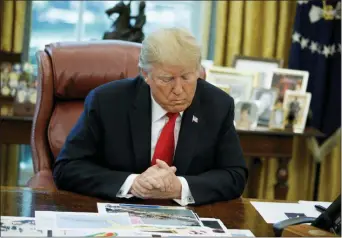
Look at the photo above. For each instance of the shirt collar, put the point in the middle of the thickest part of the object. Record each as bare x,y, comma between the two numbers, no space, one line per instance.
157,111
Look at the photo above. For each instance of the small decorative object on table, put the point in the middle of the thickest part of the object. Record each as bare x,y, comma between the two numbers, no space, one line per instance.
296,104
277,120
240,83
265,99
25,101
18,87
246,115
122,28
288,79
263,66
5,89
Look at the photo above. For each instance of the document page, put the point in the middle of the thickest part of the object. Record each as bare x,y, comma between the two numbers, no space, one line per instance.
273,212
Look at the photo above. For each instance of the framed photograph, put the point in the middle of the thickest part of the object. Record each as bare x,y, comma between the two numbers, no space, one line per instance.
298,103
246,115
287,79
277,120
263,66
265,99
240,83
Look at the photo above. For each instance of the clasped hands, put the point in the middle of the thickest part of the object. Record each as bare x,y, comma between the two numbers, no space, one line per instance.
157,182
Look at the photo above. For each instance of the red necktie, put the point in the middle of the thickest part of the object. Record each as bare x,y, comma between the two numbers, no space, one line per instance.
166,143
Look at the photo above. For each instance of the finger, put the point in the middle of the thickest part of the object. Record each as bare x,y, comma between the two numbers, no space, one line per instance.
173,169
135,194
142,187
153,182
164,176
141,191
145,183
159,178
162,164
168,181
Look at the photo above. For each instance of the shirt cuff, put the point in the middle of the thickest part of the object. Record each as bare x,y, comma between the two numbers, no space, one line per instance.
186,197
123,191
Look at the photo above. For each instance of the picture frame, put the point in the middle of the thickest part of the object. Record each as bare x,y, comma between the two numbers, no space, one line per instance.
265,100
240,83
300,103
288,79
246,115
263,66
277,120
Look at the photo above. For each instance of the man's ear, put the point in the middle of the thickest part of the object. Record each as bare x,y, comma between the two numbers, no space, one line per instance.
144,74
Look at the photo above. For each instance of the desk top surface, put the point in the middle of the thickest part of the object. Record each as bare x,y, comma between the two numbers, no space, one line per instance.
236,214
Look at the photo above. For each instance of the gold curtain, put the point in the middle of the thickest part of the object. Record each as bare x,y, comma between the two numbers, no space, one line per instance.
263,29
12,23
301,169
330,178
253,28
206,7
9,162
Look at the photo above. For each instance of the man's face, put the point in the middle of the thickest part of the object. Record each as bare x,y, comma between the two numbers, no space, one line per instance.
173,87
244,115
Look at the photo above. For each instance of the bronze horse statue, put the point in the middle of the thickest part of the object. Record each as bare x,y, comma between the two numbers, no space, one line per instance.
122,29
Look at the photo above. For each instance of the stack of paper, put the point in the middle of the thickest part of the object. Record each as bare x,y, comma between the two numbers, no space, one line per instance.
118,220
273,212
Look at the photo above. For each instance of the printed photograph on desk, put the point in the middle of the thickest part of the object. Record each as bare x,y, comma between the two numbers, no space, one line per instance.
76,220
216,225
96,233
174,231
20,227
153,215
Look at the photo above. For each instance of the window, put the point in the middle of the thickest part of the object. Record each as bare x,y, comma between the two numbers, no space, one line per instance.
54,21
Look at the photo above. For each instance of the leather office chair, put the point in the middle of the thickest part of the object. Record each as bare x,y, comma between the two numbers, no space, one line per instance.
67,73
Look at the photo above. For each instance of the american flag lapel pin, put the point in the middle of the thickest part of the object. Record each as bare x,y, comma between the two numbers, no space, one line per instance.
194,119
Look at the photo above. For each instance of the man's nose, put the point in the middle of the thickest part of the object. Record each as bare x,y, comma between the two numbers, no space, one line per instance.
177,87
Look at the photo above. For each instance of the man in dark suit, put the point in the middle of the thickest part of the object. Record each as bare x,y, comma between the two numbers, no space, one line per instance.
165,134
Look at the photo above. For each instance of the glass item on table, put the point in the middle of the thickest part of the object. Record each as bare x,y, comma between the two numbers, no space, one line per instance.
5,91
32,95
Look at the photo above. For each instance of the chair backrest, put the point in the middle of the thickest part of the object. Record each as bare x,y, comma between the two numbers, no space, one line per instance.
67,73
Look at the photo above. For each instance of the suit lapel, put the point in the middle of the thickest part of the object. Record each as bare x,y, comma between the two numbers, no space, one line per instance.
192,121
140,121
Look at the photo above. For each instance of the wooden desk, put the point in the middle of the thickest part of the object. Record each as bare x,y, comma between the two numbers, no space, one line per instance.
236,214
15,130
261,143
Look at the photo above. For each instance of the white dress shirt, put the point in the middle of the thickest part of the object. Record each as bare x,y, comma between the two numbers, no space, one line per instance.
159,119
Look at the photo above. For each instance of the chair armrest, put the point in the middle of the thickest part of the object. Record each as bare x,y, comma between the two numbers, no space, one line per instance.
42,180
280,226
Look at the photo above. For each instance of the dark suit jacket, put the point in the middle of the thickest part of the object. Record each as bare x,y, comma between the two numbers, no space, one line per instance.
112,139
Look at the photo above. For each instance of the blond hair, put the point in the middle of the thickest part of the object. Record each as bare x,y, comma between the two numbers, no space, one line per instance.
170,46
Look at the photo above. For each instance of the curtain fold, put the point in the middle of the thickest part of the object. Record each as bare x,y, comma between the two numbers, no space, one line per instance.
330,177
206,7
12,25
9,163
253,28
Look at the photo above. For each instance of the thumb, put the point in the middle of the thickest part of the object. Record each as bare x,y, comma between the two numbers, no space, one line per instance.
174,169
162,164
